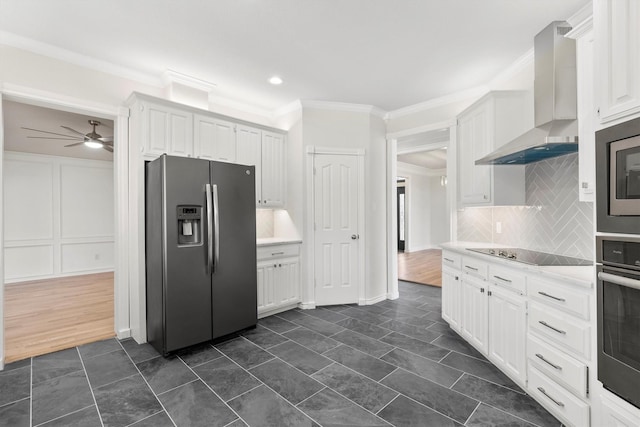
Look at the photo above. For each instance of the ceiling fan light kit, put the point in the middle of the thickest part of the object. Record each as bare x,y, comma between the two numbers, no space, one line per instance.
91,139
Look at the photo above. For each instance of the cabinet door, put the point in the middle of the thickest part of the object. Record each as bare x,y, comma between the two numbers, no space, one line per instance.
616,413
474,143
272,169
508,326
266,285
249,142
166,130
474,319
215,139
617,26
451,297
288,283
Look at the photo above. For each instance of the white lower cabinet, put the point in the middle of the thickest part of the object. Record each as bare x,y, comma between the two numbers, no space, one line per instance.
507,337
474,312
616,413
451,297
278,278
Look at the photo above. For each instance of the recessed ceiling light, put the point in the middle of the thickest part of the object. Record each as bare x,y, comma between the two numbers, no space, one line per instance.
275,80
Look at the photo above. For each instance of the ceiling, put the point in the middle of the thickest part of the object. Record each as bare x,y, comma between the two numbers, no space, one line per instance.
433,159
18,115
386,53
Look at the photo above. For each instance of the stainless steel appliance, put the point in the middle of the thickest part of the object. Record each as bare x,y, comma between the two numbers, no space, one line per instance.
619,316
618,178
526,256
200,251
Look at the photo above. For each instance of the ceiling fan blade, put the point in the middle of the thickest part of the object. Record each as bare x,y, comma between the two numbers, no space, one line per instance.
73,145
106,139
109,149
53,137
52,133
73,130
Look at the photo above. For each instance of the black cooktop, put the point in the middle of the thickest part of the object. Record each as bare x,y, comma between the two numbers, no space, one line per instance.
531,257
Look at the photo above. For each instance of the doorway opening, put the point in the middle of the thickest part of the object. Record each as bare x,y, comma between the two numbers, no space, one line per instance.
59,233
423,219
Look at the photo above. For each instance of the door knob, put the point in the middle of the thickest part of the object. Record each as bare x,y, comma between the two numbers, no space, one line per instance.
355,237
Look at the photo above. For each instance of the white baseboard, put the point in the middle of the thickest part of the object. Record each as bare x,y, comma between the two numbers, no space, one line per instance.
420,248
308,305
123,333
1,364
393,295
277,310
371,301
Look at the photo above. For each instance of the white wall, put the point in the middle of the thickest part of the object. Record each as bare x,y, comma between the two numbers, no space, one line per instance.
58,216
440,221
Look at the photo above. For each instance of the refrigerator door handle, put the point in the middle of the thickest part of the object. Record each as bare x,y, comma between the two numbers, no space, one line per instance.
216,227
207,190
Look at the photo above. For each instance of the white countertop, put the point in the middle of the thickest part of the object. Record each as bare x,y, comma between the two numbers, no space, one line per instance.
576,274
266,241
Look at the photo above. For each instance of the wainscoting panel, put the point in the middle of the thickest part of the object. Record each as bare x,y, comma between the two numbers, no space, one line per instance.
24,262
77,257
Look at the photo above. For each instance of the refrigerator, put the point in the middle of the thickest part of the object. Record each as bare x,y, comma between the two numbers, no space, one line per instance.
201,277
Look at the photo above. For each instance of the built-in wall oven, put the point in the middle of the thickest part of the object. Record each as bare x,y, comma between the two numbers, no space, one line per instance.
619,315
618,178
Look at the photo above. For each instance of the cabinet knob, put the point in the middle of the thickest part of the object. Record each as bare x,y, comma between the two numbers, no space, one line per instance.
456,277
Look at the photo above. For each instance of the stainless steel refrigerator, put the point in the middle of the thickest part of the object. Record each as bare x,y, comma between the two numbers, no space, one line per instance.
200,251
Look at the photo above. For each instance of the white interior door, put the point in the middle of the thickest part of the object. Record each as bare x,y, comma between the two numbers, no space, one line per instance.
336,237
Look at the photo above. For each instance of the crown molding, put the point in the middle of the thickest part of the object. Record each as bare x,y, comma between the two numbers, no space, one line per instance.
288,108
422,129
516,67
581,22
343,106
65,55
238,105
437,102
171,76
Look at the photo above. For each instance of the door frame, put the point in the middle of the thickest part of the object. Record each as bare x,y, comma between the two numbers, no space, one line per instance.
120,117
406,211
308,294
392,174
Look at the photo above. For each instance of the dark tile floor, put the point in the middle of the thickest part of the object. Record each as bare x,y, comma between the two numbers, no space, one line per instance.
395,363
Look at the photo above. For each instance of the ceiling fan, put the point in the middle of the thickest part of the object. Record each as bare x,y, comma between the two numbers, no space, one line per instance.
91,139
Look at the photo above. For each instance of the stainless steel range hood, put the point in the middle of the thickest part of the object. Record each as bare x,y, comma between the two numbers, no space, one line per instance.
555,103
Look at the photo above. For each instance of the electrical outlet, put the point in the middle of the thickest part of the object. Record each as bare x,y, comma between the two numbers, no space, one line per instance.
498,227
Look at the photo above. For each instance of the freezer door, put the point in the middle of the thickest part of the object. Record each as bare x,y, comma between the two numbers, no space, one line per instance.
234,280
186,284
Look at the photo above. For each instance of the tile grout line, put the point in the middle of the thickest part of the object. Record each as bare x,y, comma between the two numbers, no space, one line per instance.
146,418
390,402
146,382
517,416
472,412
93,396
66,415
383,378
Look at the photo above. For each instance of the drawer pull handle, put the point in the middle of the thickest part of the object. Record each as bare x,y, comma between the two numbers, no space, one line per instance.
277,253
557,402
560,331
471,268
503,279
541,357
544,294
448,260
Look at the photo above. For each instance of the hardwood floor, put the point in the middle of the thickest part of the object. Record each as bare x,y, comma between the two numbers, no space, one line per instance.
424,267
44,316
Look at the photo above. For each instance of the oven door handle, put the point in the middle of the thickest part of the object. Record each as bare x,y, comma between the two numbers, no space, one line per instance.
619,280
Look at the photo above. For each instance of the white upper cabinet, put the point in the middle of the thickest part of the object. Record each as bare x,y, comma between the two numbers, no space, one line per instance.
214,139
249,149
165,130
489,123
617,27
273,171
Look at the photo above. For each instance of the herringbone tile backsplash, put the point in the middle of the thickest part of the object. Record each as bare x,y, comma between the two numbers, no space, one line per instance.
553,220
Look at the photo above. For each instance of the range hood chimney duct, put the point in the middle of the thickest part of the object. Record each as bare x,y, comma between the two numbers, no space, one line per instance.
555,103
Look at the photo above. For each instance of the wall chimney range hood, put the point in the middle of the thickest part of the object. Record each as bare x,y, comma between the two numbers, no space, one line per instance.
555,103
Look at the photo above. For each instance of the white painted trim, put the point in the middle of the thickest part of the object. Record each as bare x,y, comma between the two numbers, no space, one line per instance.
362,225
65,55
424,147
445,124
287,307
308,305
172,76
215,99
1,234
343,106
476,92
336,151
288,108
393,296
581,22
419,248
374,300
516,67
392,218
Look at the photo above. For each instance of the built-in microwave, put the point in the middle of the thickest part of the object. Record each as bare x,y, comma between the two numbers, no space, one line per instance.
618,178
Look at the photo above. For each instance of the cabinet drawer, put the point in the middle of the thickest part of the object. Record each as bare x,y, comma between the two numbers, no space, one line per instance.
507,278
277,251
475,267
559,401
558,365
568,332
451,259
560,296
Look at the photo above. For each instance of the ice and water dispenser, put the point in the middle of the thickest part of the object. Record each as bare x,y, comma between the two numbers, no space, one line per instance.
189,225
